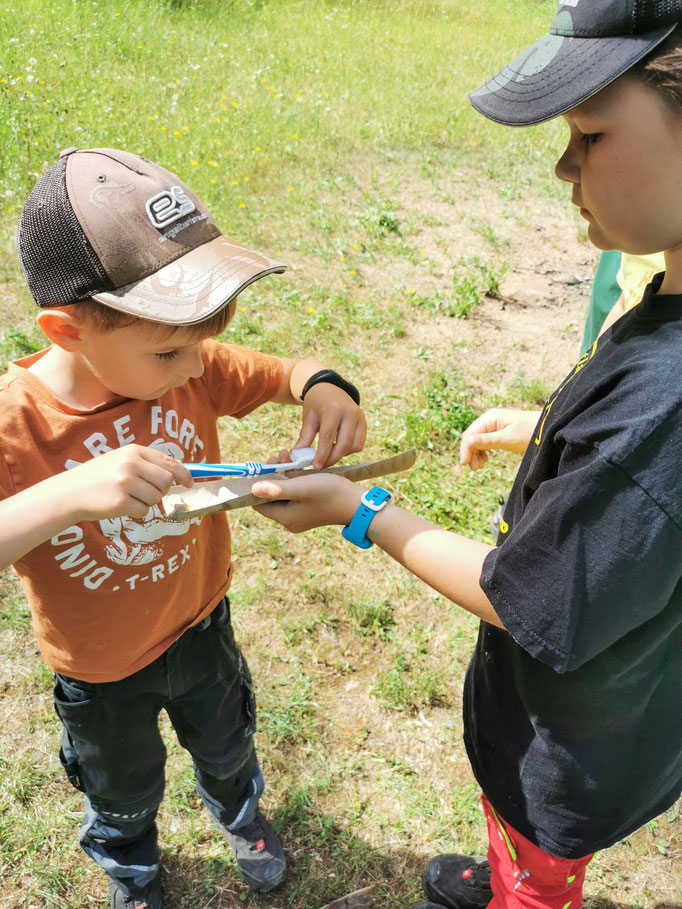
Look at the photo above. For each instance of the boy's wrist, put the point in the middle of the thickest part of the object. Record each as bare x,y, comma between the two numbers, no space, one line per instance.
330,377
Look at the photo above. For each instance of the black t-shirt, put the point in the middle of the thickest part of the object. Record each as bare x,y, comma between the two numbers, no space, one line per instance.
573,714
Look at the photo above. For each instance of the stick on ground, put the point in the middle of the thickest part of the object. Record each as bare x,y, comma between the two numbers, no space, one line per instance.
359,899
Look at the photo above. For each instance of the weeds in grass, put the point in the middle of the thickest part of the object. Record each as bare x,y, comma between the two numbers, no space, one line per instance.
488,232
528,391
287,714
474,280
17,343
411,685
373,618
380,218
445,413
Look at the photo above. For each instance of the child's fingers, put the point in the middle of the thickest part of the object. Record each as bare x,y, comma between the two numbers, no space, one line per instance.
345,442
483,441
178,471
160,476
309,428
267,489
138,496
181,475
478,460
325,443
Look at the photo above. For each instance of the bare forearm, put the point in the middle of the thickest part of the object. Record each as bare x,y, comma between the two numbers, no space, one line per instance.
30,517
446,561
295,374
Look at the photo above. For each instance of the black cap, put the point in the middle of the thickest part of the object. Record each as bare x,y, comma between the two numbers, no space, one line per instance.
590,43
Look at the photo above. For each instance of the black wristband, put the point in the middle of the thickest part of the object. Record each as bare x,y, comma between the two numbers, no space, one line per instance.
331,378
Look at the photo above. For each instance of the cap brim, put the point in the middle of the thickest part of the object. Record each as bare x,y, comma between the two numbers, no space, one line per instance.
557,73
194,286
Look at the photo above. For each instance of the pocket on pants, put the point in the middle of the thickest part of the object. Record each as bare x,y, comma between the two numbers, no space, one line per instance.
72,699
72,691
72,768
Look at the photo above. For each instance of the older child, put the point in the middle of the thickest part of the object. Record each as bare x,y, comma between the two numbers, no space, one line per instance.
572,698
133,277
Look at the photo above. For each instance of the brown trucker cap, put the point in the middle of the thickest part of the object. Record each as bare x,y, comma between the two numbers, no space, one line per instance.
111,226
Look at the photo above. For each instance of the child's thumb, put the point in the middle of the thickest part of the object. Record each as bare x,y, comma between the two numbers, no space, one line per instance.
267,489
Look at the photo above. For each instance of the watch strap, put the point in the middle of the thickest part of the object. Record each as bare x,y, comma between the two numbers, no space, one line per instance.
372,502
331,378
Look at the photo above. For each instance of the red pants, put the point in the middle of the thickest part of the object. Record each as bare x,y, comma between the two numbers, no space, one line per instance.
525,877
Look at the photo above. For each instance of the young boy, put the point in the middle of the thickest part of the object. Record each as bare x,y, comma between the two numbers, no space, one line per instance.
572,698
132,277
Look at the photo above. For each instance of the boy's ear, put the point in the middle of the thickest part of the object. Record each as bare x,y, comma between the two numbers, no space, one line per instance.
61,327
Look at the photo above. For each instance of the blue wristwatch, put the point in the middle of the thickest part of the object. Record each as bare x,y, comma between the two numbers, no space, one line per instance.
372,501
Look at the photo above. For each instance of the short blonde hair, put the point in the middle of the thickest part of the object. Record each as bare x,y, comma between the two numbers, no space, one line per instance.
104,319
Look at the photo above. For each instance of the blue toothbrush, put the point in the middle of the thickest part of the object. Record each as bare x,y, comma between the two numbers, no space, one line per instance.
300,457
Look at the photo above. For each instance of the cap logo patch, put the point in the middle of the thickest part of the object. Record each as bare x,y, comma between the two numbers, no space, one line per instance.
168,206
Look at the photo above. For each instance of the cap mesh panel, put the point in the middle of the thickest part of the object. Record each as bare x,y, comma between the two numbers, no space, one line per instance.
651,14
58,260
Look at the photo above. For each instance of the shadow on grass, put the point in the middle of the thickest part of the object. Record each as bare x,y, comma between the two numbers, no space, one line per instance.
325,861
318,875
607,904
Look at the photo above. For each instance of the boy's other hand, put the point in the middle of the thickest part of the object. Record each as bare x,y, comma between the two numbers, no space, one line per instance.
337,421
508,430
127,481
307,502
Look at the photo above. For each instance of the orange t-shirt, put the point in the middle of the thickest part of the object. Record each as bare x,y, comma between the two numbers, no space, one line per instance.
108,597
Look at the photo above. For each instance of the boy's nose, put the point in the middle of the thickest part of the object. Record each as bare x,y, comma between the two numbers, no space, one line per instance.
567,167
193,364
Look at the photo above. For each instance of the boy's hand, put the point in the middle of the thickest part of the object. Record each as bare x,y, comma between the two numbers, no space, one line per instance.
509,430
337,421
308,501
127,481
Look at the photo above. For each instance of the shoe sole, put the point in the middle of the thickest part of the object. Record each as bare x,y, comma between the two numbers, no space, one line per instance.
260,887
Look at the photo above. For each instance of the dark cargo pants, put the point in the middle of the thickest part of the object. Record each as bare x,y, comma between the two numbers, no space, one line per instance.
112,749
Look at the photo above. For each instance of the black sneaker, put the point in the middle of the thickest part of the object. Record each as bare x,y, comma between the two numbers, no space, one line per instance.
151,898
427,906
259,854
458,881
